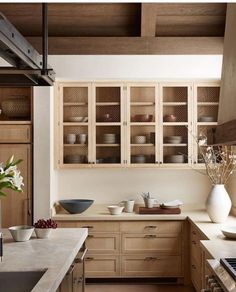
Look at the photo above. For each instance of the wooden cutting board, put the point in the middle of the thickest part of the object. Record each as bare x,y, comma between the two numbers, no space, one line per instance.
158,210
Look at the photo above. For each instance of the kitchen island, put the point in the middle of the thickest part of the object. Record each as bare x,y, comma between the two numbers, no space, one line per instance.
53,256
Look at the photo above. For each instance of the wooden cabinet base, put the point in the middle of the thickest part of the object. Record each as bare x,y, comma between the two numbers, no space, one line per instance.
102,266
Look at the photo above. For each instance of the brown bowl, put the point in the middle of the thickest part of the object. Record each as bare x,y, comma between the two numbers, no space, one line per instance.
170,118
143,118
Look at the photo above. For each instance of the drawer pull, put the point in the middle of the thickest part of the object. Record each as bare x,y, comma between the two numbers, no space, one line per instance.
194,232
150,258
150,236
90,236
89,226
151,227
194,267
89,259
194,242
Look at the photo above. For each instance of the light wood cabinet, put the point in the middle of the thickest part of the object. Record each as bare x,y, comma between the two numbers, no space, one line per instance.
197,262
16,207
15,133
138,248
108,114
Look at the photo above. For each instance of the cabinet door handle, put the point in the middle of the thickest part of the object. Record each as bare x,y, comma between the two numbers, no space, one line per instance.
194,242
194,267
150,227
90,236
89,227
71,269
150,236
80,259
150,258
89,259
194,232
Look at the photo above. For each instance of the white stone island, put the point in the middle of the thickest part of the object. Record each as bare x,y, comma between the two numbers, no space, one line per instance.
54,255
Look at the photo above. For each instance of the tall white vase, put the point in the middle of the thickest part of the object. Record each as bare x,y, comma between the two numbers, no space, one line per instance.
218,204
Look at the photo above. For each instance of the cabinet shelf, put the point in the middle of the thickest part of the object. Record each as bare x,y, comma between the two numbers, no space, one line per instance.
175,123
108,124
174,103
175,145
143,145
142,123
208,103
207,123
108,145
74,124
75,104
15,122
75,145
107,103
145,103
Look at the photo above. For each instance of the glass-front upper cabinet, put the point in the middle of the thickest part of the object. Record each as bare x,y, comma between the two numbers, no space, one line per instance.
142,124
175,124
75,118
206,103
108,124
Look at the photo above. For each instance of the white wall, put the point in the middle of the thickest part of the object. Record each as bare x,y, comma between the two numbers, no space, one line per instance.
113,185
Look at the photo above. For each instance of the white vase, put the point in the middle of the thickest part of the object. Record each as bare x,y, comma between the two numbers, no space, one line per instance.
218,204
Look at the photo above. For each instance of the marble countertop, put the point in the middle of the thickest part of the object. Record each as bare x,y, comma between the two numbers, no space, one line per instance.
217,245
54,254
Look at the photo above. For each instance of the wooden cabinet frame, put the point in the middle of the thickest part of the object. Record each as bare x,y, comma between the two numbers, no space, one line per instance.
125,124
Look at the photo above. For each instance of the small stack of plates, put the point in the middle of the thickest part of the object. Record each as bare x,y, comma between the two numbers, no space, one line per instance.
138,158
139,139
109,138
206,119
74,158
173,139
178,158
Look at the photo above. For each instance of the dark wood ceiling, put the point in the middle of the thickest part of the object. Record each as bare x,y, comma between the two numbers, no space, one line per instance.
140,25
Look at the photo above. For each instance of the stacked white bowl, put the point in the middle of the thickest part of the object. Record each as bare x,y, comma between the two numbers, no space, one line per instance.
109,138
139,139
173,139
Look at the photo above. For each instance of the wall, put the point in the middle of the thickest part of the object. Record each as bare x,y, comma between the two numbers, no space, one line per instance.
113,185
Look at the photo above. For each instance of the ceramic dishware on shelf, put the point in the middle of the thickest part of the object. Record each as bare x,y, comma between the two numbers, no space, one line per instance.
109,138
177,158
75,119
71,138
173,139
82,138
138,158
170,118
206,119
229,231
75,158
142,118
128,205
115,209
21,232
140,139
85,119
106,118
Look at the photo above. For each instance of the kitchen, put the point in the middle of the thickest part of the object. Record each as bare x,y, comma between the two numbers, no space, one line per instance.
114,86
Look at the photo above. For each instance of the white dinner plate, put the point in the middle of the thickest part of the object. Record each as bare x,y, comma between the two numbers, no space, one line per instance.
229,231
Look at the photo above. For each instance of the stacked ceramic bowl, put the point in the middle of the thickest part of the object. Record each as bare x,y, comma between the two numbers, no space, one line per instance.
109,138
178,158
173,139
75,158
206,119
139,139
138,158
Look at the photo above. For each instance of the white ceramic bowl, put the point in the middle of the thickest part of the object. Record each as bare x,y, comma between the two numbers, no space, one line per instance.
21,232
43,232
229,232
206,119
75,119
115,210
179,158
139,139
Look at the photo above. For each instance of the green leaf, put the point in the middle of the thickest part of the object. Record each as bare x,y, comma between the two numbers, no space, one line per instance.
17,162
2,194
10,160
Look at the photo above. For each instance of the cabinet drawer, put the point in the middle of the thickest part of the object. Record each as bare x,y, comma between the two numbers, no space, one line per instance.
91,225
160,227
102,266
150,243
15,133
103,243
145,265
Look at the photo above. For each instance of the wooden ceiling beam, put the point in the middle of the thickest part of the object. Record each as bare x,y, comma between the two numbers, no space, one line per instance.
148,20
131,45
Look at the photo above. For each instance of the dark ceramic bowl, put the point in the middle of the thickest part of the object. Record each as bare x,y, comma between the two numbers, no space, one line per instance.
76,206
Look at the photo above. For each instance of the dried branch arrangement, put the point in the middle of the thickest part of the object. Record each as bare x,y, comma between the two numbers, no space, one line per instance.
220,161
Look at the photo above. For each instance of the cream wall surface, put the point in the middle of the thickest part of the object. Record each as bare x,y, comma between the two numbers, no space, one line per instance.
114,185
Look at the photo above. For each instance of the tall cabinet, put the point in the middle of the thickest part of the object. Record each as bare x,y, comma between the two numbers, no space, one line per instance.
16,139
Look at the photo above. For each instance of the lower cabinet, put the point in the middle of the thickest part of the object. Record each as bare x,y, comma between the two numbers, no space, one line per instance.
133,248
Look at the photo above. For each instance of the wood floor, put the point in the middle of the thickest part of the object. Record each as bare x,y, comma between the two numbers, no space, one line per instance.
136,288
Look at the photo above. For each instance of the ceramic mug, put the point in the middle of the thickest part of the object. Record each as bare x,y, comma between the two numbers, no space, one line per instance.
150,202
129,205
71,138
82,138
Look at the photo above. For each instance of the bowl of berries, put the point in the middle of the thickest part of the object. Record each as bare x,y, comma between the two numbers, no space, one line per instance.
43,228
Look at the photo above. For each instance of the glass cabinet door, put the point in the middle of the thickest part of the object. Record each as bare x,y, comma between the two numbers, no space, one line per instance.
108,124
175,121
76,119
206,113
142,123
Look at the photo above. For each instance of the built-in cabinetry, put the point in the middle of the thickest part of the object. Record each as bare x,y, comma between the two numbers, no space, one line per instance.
141,124
16,139
134,248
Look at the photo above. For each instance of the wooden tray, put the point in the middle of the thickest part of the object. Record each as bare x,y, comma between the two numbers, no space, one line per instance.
158,210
